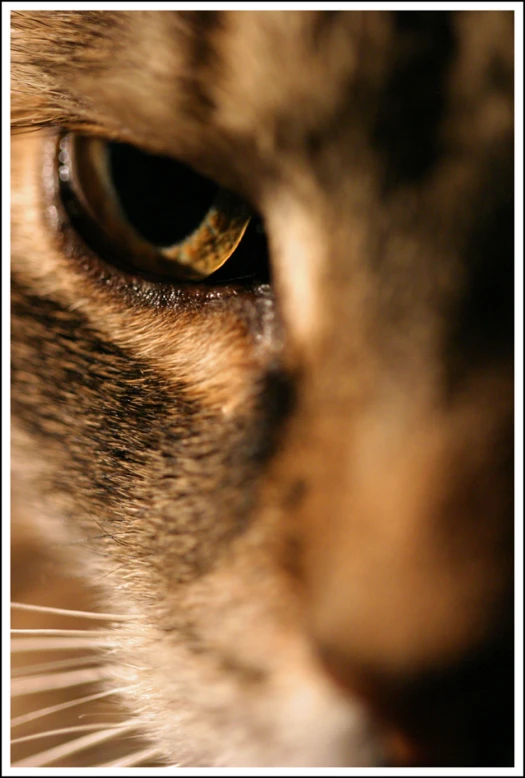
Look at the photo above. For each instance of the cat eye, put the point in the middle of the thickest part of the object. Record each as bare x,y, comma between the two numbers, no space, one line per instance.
149,212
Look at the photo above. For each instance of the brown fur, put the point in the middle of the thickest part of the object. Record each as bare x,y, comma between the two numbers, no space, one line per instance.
303,497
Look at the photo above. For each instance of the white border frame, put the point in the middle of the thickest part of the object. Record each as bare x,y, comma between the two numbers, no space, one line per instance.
517,7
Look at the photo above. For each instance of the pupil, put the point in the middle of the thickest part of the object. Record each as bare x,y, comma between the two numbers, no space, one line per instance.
164,200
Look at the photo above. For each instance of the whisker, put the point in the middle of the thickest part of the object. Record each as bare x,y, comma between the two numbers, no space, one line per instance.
65,612
61,632
56,644
66,730
44,683
115,570
117,717
60,664
72,747
41,712
133,759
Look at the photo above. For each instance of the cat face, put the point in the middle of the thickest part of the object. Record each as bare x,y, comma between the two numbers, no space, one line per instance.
300,490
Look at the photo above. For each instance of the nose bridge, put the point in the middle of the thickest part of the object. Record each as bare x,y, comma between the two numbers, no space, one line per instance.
405,515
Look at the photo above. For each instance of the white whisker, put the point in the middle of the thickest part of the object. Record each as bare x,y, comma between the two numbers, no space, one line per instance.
44,683
41,712
72,747
132,760
56,643
60,664
61,632
66,730
117,717
66,612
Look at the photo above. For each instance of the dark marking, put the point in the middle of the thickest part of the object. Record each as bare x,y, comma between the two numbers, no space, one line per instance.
201,26
292,555
276,402
482,325
413,98
322,28
134,455
295,494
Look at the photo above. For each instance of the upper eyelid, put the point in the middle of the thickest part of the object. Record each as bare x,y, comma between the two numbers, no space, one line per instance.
38,120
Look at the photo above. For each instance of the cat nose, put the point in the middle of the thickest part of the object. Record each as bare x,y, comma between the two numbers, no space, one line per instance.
408,579
458,715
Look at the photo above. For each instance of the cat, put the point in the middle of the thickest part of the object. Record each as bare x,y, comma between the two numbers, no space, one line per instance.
285,482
